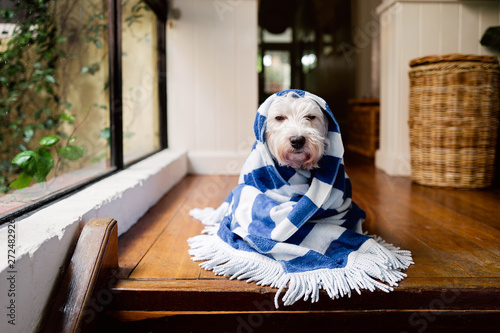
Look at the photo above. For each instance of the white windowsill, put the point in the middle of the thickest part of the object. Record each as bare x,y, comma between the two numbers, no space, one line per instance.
44,239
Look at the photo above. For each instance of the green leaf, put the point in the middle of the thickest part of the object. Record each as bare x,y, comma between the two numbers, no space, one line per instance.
48,123
24,180
34,164
105,133
67,117
22,159
28,133
62,135
7,13
50,78
100,106
66,105
71,152
44,163
49,141
92,69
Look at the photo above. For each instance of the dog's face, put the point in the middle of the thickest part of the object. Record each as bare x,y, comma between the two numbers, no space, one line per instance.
296,132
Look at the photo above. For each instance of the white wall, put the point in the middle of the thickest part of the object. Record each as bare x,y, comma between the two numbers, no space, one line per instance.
212,82
412,29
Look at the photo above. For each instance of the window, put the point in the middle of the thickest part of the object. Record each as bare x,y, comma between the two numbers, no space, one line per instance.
275,62
82,94
140,89
277,71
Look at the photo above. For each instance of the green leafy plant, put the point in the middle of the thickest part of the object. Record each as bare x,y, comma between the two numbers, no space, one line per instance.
37,164
32,101
491,38
135,11
27,80
35,115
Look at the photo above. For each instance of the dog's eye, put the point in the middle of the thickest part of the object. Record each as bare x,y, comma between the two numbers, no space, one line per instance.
311,117
279,118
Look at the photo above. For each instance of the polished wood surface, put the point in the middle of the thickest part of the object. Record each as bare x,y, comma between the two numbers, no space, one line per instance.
452,234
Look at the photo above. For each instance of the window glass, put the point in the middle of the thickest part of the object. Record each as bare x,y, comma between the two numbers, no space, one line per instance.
140,80
277,71
54,108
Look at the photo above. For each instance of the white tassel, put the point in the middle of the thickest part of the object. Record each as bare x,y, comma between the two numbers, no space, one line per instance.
202,214
379,262
209,216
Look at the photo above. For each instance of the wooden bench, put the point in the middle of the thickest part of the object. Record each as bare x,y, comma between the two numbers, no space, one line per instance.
84,291
453,286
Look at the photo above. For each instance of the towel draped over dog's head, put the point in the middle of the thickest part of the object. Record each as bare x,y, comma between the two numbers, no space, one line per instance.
293,228
324,192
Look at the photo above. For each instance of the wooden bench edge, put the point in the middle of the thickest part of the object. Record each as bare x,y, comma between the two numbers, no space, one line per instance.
83,293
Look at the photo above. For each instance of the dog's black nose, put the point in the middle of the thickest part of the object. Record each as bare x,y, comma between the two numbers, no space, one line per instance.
297,142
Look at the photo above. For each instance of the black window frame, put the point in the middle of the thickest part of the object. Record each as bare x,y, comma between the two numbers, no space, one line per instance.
160,8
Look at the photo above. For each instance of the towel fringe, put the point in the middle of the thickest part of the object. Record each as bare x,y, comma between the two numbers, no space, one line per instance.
376,265
209,216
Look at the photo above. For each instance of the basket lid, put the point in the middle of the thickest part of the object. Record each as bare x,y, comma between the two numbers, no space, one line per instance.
432,59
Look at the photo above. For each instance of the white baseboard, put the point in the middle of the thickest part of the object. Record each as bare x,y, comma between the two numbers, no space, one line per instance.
393,164
215,162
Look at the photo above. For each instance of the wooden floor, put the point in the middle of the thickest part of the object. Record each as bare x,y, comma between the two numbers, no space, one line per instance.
454,236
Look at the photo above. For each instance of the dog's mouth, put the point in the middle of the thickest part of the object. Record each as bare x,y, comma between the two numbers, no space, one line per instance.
297,158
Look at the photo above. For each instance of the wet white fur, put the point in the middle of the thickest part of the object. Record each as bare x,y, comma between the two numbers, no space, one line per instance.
296,113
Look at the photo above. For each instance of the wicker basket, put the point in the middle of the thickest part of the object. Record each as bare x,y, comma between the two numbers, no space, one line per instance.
454,107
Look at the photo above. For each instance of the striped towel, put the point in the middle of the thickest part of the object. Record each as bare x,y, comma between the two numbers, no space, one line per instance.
296,229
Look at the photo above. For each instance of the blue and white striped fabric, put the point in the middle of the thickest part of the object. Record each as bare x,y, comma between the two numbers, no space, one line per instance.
296,229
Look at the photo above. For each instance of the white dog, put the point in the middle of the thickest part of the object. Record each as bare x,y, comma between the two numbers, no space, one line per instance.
296,132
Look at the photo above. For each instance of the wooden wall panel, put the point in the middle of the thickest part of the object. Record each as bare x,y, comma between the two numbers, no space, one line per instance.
450,22
429,28
212,79
180,74
246,76
469,29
